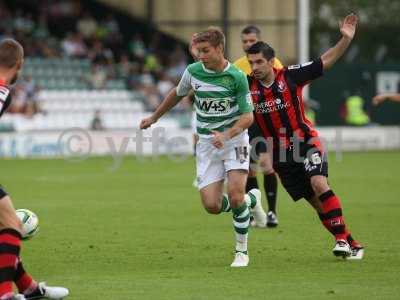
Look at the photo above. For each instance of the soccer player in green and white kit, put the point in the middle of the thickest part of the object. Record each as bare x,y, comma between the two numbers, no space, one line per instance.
224,112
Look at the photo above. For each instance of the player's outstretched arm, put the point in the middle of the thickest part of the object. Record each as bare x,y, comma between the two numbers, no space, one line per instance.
348,30
169,102
378,99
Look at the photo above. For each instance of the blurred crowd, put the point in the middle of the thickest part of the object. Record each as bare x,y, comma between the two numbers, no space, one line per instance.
138,60
25,98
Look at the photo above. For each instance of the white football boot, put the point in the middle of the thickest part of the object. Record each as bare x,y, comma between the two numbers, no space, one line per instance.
241,260
342,248
260,217
55,293
357,253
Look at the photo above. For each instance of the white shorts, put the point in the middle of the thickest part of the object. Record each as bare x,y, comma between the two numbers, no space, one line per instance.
193,122
213,164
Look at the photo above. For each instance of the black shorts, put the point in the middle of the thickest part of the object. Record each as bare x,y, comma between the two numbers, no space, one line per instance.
257,142
296,170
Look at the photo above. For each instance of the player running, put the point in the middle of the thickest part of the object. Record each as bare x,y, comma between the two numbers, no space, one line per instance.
249,36
298,156
11,268
224,111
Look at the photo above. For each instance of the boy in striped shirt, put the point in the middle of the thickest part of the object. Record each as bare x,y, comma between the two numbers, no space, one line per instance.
224,111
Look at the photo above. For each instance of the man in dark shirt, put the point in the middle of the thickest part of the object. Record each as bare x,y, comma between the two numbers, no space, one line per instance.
298,155
11,269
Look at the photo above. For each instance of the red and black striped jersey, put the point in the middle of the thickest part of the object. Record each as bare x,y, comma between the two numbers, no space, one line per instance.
279,108
5,98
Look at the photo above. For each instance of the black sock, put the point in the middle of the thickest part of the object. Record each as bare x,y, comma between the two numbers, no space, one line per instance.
271,188
36,294
251,183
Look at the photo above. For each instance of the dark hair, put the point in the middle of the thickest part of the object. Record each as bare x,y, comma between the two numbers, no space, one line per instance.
11,52
260,47
251,29
213,35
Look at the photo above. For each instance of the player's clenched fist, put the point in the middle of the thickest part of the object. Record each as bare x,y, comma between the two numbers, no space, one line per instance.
147,122
219,139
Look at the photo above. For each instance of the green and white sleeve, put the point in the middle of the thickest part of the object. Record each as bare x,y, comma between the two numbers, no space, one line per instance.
184,85
243,95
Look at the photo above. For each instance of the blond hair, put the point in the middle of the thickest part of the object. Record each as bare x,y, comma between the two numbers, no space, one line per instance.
213,35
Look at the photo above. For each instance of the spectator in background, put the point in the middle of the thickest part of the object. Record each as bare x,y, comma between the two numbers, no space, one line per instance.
61,9
97,122
147,87
111,34
354,111
133,81
19,96
100,40
41,30
44,44
31,89
155,43
25,98
152,63
100,55
137,48
97,78
74,46
124,67
164,84
87,26
111,25
178,62
23,24
48,48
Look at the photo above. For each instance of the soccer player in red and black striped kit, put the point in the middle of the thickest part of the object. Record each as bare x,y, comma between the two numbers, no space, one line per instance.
11,269
298,155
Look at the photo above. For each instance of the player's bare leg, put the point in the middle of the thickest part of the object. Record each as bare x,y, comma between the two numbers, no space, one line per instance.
12,269
213,199
241,215
329,209
10,243
8,217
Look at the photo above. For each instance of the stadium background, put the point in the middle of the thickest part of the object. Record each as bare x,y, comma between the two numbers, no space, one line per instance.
126,225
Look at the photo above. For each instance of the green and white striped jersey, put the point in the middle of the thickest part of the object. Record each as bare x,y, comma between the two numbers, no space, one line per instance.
220,97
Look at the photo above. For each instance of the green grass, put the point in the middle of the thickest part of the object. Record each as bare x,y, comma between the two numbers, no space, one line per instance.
140,233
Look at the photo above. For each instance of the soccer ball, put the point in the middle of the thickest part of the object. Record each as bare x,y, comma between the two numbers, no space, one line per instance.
30,223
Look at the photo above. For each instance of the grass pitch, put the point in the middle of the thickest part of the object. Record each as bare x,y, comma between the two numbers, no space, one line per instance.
139,232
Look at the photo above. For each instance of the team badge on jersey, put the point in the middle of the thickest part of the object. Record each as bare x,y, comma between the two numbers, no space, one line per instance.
281,86
226,80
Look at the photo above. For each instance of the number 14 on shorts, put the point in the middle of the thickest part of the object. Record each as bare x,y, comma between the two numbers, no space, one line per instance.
241,153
